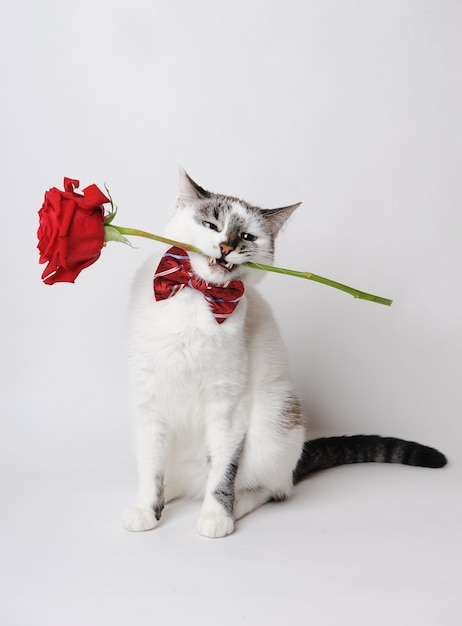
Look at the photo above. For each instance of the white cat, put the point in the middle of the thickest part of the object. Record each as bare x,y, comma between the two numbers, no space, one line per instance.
217,414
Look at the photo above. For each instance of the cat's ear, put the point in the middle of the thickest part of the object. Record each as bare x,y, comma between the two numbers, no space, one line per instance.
276,218
188,190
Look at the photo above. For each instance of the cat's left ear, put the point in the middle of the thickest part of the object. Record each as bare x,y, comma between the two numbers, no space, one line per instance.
278,217
188,190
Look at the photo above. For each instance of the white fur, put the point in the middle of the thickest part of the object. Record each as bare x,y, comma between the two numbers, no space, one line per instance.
202,388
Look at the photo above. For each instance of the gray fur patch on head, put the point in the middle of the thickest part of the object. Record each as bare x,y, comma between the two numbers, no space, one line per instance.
216,208
219,204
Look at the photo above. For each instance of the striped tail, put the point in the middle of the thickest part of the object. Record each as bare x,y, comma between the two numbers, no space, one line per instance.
328,452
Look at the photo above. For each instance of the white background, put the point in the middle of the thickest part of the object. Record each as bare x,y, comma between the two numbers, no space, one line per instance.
352,107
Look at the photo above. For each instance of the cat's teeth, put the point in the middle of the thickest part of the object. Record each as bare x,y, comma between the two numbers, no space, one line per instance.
214,261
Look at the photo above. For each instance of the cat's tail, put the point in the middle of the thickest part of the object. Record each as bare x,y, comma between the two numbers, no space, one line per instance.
328,452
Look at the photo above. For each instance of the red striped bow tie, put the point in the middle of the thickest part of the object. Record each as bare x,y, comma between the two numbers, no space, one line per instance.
174,272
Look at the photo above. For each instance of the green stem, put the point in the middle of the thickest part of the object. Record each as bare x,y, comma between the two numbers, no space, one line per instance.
142,233
267,268
325,281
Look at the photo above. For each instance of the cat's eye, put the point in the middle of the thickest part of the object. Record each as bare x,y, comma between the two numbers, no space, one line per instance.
248,237
210,225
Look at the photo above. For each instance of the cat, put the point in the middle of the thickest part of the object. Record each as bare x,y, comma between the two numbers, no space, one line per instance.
216,411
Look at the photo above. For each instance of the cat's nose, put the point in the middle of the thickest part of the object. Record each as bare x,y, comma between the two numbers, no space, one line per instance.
225,248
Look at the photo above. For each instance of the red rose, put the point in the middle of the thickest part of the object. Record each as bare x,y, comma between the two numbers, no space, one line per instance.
71,231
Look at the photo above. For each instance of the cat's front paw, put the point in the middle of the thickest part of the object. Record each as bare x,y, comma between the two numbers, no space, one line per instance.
215,525
137,520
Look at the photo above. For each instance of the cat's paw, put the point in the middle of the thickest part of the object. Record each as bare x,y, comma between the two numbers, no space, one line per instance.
137,520
215,525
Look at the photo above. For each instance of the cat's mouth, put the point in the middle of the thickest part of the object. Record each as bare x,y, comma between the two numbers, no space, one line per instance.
213,262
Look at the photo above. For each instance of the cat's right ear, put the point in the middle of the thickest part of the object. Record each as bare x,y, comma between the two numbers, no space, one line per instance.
188,190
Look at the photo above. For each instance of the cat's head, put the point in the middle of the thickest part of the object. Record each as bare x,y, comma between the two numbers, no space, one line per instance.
230,231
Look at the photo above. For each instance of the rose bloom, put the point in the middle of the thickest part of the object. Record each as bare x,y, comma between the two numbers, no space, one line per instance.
71,231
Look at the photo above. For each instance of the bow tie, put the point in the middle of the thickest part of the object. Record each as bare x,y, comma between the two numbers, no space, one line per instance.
174,272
